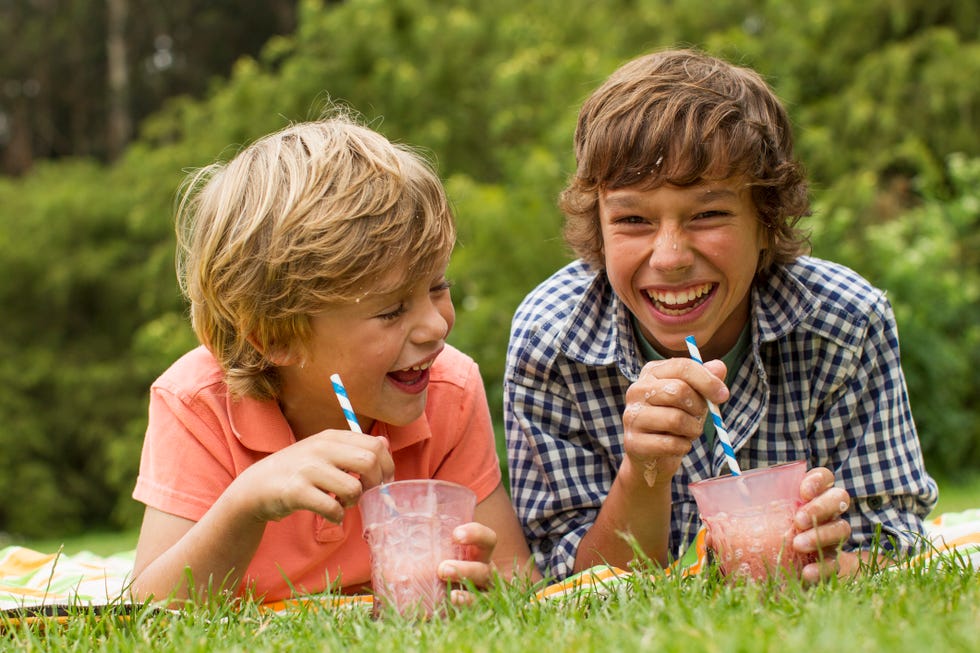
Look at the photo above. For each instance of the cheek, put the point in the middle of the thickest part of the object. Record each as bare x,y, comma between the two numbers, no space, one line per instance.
742,252
621,280
616,271
624,256
448,312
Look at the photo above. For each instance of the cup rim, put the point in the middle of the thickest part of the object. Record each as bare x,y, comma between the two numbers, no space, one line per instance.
430,482
749,472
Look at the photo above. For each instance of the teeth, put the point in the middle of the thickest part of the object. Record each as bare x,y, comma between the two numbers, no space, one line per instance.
682,297
419,368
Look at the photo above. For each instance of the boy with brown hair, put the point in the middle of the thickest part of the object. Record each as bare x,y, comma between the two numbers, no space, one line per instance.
684,212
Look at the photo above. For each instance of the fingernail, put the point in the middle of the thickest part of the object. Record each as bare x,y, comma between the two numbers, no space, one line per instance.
800,543
447,571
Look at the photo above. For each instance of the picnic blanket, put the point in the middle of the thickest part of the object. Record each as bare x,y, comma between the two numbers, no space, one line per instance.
33,583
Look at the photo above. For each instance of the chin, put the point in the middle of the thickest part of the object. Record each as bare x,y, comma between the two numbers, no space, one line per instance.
404,417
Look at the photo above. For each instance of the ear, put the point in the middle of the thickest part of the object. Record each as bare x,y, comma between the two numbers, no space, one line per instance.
278,356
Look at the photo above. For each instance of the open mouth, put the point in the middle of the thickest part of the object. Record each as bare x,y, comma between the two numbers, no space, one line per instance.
680,302
412,375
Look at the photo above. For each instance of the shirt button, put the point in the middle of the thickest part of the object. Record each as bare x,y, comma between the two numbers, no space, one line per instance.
875,503
547,546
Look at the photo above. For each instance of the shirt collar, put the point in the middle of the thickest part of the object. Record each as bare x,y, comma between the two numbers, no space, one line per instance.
781,304
401,437
259,425
598,330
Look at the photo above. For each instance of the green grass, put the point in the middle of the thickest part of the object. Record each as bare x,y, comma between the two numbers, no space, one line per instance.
888,612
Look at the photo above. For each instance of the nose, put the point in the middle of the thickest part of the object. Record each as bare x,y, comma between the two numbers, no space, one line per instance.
436,319
669,249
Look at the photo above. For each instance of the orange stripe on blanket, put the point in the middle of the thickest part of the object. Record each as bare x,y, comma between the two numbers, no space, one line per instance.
28,591
701,558
595,578
970,538
22,561
325,601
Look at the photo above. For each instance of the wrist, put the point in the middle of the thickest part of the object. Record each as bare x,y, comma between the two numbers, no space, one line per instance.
644,477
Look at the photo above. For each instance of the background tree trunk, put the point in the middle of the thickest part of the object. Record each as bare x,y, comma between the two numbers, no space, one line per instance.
119,125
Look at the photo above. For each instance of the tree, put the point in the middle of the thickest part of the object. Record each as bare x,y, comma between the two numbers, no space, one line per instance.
76,75
119,121
91,308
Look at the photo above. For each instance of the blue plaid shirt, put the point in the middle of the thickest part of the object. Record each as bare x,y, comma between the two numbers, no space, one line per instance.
823,382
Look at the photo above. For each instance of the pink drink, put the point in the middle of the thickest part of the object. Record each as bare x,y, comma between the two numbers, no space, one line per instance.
750,520
408,526
756,545
404,575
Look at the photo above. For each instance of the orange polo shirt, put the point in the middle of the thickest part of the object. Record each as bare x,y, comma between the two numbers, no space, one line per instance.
198,440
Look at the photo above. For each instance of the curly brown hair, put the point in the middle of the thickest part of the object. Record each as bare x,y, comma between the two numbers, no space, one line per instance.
682,117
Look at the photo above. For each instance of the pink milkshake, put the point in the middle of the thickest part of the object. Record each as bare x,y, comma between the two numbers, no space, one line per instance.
750,520
408,526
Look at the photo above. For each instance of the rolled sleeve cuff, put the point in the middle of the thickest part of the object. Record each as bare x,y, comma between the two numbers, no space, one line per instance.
557,556
884,524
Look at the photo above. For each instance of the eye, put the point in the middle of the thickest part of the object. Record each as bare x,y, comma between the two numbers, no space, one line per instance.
442,286
629,219
393,314
712,213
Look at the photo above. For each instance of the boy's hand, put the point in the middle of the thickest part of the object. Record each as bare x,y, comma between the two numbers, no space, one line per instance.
822,527
477,542
325,473
665,412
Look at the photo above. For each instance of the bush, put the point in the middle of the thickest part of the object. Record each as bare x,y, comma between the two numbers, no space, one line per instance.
928,260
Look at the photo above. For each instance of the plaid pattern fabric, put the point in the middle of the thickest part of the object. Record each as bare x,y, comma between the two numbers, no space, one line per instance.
823,383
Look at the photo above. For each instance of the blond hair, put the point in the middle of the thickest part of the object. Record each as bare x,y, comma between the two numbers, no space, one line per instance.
682,117
313,215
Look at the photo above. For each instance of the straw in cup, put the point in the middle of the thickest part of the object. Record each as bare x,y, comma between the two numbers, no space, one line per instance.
351,417
726,443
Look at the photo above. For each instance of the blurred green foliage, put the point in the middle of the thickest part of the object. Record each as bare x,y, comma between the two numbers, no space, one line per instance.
883,94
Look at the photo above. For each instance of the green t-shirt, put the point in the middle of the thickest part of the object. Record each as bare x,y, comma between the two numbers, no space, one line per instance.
733,360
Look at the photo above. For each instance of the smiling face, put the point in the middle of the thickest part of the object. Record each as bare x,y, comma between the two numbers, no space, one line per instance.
683,259
382,346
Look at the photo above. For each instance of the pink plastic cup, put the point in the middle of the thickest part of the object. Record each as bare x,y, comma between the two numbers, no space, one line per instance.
408,526
750,520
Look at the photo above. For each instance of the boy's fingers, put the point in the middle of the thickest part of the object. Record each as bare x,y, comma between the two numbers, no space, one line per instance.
817,481
461,598
825,537
842,564
387,462
458,571
478,540
706,380
364,456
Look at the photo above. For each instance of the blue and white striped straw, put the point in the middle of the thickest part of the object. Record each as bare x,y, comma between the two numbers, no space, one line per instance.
345,405
351,417
726,443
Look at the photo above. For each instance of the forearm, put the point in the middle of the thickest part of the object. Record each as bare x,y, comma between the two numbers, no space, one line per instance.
633,509
511,556
211,556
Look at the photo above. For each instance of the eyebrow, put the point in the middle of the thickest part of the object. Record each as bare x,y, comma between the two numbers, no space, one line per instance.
620,200
382,297
627,199
717,194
